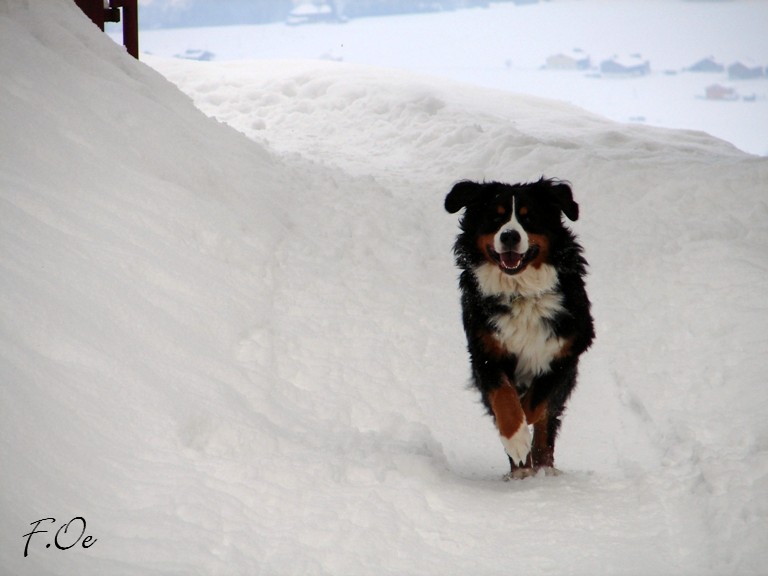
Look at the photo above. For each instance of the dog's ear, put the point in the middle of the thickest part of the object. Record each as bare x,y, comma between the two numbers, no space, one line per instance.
462,195
563,199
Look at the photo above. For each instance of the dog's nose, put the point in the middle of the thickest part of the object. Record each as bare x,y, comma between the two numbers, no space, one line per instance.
510,238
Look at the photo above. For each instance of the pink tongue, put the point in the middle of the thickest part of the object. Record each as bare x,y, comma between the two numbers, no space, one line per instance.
510,259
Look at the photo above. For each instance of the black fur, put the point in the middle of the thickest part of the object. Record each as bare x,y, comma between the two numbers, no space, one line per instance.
543,203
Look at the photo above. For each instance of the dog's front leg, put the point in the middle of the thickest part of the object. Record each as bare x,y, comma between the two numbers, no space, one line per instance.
510,421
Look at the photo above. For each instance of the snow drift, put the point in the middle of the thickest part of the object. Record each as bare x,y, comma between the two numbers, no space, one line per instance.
505,46
241,352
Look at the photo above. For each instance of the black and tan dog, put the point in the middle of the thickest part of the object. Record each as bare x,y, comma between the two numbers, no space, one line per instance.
525,309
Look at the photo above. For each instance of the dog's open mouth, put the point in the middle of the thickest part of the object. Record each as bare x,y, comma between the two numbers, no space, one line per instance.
513,262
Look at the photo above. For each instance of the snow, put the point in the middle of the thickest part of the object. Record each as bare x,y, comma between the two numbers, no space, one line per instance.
238,351
506,47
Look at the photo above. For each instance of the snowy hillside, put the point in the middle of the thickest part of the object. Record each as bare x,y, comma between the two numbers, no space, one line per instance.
507,47
240,352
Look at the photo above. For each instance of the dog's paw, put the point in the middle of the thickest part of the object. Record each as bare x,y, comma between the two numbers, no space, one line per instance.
523,473
519,474
518,445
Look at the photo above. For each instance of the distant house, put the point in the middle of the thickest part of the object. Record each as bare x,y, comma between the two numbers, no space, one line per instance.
741,71
196,54
720,92
317,11
706,65
633,65
574,60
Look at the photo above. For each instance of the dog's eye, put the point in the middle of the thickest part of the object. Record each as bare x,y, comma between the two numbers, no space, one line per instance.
501,213
522,215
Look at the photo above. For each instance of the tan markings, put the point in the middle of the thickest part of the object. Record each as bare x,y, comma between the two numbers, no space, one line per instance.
543,243
501,209
534,415
565,350
523,210
542,454
482,243
491,344
507,410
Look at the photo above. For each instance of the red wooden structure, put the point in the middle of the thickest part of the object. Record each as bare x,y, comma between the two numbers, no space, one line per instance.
101,11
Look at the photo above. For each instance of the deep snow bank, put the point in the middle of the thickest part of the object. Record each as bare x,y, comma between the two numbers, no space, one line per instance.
505,46
233,357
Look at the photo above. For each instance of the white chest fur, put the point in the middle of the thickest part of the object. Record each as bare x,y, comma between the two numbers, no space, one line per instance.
524,330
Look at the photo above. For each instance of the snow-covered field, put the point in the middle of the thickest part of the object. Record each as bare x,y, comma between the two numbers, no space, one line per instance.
241,353
506,46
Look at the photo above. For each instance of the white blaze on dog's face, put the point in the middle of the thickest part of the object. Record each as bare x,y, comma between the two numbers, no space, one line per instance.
511,241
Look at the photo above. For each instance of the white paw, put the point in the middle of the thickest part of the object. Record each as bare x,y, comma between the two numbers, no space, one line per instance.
518,445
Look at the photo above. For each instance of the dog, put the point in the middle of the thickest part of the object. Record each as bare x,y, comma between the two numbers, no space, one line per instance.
525,309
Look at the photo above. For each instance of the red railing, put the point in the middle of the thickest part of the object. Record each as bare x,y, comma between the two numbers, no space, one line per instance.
101,11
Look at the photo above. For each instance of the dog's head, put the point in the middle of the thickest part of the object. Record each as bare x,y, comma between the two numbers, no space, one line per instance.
512,227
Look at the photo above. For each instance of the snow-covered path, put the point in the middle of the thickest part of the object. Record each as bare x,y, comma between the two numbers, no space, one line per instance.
239,355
